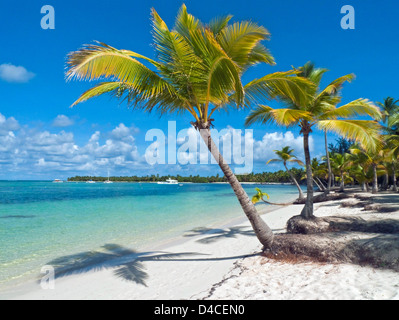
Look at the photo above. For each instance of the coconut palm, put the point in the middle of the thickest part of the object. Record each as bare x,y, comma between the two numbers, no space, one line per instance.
198,71
389,108
340,162
320,110
286,155
372,159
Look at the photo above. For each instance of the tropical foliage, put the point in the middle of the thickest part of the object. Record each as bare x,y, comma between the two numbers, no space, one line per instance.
319,110
198,71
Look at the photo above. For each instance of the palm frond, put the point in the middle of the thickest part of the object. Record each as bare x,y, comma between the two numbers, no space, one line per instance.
299,162
274,160
282,85
100,89
365,132
283,117
93,62
240,39
357,107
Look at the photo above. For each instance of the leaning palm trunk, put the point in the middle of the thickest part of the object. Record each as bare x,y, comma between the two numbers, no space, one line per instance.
328,164
301,195
321,188
307,211
262,230
375,179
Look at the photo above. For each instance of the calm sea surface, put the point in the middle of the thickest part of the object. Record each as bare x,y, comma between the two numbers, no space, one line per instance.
41,221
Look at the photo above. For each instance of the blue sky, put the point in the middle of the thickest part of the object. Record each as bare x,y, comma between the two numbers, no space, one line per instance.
42,138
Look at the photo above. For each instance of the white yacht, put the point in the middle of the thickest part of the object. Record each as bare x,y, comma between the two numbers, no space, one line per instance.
169,181
58,181
108,181
90,181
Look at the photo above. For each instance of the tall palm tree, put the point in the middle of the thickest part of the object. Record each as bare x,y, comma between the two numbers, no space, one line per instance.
319,109
198,71
286,155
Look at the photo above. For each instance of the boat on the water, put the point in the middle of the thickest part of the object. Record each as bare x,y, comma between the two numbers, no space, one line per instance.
90,181
169,181
58,181
108,181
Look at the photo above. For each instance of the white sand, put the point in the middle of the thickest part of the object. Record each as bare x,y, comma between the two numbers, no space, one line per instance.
209,267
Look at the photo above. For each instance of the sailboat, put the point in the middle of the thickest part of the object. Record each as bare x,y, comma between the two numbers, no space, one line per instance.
108,181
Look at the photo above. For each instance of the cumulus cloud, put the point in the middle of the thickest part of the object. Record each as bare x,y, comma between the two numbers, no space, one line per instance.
15,74
63,121
8,125
32,151
264,148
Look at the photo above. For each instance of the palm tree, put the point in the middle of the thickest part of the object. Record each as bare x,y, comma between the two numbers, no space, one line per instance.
389,108
319,109
340,162
198,71
371,159
285,155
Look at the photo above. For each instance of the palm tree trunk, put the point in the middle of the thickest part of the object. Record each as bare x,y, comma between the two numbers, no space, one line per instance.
386,180
318,186
321,183
342,186
307,211
328,163
375,179
301,195
363,186
262,230
395,186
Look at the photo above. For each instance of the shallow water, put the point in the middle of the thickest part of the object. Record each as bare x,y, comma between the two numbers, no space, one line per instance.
42,221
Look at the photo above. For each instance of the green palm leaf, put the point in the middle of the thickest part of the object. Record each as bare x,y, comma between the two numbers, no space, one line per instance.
365,132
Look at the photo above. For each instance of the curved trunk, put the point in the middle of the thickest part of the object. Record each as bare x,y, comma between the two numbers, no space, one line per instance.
321,189
375,179
395,186
262,230
329,185
301,195
307,211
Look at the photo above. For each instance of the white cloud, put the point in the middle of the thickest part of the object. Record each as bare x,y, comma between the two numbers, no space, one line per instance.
63,121
35,152
264,149
15,74
8,124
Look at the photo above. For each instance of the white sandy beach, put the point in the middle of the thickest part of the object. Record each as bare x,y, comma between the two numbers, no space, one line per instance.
222,264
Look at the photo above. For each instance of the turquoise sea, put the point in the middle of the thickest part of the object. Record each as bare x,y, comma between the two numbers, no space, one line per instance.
42,221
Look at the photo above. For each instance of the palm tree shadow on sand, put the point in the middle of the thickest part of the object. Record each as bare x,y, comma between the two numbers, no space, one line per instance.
213,235
127,263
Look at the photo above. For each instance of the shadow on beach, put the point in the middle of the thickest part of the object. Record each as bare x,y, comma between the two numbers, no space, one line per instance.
213,235
126,263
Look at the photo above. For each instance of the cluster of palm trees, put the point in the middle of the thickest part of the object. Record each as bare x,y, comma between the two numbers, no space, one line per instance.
355,164
198,70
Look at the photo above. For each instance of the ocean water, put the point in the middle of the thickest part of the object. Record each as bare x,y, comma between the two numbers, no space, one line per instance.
42,221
